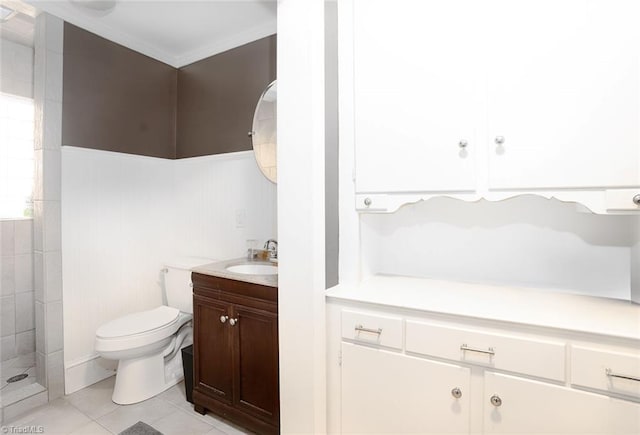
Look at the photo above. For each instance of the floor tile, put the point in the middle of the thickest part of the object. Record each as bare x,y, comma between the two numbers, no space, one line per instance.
58,417
181,422
27,389
229,428
217,422
175,395
215,431
95,400
26,405
148,412
92,428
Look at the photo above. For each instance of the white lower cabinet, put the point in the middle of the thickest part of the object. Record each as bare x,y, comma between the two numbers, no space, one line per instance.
418,375
514,405
388,392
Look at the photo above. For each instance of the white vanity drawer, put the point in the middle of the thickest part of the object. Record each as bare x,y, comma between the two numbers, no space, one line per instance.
372,328
606,370
545,359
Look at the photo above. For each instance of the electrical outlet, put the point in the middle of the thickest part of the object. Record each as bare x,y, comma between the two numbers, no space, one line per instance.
241,218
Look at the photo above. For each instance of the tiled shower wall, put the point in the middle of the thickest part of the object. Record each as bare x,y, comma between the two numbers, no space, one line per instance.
17,326
47,264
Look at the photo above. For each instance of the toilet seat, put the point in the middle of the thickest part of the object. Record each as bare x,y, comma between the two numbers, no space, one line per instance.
140,329
138,323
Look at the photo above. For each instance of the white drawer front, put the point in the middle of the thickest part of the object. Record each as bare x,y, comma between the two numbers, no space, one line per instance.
545,359
372,328
622,199
606,370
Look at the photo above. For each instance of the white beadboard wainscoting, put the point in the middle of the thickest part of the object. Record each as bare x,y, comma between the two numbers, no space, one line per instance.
526,241
124,216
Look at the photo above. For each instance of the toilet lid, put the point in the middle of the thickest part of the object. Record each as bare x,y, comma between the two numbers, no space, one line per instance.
137,323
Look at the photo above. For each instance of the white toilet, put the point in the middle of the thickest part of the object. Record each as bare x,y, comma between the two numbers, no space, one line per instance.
148,343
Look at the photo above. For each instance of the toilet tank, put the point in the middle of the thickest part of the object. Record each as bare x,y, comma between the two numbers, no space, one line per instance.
177,282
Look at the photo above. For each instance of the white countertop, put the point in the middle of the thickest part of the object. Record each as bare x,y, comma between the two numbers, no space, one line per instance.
526,306
219,269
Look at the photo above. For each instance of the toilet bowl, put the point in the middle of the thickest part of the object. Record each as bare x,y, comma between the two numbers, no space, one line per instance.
147,344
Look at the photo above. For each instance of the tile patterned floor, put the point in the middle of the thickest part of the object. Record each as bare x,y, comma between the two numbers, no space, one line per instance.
11,392
91,411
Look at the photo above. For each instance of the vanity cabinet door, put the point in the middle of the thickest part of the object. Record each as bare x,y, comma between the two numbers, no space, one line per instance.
213,350
415,95
563,93
522,406
256,362
387,392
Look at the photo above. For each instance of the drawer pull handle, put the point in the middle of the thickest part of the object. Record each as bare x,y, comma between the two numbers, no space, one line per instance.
612,374
360,328
489,351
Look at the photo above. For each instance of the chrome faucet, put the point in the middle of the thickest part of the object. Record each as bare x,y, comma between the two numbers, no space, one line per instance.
271,245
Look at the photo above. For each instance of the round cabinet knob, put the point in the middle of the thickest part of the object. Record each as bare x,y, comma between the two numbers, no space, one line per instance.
233,322
636,199
496,400
251,133
499,140
456,392
223,319
463,144
367,202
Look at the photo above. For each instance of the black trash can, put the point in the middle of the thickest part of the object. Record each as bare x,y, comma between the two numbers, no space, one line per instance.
187,365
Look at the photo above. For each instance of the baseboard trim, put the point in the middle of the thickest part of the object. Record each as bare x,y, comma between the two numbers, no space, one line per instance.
87,371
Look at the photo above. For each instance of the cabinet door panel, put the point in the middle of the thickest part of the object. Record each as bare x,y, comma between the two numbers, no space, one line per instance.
533,407
385,392
213,350
257,362
564,93
415,95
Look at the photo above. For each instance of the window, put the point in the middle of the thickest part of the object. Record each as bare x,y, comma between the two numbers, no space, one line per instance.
16,156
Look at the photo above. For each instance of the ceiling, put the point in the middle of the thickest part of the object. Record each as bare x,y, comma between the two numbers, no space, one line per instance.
175,32
19,28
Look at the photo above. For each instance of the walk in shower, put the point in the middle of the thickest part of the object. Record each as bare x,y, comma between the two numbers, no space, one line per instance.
22,374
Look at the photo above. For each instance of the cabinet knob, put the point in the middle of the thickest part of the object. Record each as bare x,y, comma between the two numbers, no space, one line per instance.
456,392
499,140
251,133
496,400
463,144
367,202
636,199
223,319
233,322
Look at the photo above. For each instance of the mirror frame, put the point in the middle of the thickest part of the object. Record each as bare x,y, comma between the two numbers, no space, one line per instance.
252,133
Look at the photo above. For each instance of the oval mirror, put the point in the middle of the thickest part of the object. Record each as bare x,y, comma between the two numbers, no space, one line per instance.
263,133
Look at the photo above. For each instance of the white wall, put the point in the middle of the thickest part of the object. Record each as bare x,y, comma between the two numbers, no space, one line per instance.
301,210
525,241
123,216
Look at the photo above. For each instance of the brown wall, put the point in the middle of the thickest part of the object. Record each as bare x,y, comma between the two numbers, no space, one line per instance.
217,97
116,99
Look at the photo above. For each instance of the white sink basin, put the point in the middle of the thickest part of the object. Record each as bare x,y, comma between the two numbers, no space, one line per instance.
254,269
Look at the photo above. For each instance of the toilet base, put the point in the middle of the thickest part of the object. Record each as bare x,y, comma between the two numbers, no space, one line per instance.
142,378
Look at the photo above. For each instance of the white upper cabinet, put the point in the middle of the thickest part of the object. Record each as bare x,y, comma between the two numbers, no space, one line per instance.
563,93
415,93
494,98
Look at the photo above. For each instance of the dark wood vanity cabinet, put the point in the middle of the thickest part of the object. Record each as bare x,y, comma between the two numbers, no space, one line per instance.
236,352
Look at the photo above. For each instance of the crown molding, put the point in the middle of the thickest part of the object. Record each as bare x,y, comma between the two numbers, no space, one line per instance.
258,32
69,13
